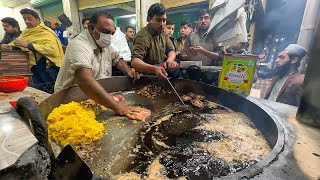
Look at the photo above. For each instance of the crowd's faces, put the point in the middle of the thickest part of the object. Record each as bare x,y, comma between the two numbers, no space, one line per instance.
30,21
130,33
8,28
185,30
86,24
282,64
204,22
169,29
158,22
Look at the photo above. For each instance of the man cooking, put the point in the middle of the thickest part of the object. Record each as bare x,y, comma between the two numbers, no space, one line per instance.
152,43
90,57
286,86
44,49
200,48
12,29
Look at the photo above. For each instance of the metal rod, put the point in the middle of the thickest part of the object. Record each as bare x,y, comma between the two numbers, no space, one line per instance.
175,91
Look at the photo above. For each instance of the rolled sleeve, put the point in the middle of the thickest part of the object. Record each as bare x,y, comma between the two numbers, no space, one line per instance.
140,47
79,57
115,56
220,51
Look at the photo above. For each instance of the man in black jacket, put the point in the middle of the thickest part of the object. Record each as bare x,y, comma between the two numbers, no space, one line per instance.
12,29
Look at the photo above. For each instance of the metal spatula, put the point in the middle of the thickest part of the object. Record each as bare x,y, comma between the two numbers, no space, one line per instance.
175,91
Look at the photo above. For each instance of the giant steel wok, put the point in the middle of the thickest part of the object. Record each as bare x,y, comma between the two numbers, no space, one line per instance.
118,143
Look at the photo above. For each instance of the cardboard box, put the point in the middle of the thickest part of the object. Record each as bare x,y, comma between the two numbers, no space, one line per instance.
237,73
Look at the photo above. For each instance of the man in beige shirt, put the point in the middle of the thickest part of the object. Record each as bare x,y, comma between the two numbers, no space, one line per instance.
90,57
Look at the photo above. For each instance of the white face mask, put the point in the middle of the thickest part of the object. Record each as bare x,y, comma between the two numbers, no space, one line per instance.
104,40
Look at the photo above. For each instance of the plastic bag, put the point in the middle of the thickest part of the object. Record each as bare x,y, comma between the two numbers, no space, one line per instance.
119,43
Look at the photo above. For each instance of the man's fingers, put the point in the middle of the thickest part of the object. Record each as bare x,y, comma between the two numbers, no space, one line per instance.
164,72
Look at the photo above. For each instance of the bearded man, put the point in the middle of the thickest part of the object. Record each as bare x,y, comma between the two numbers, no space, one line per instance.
286,86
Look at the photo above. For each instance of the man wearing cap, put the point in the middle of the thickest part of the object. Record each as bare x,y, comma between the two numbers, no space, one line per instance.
286,86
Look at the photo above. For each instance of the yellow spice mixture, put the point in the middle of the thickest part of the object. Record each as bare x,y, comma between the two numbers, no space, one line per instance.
74,123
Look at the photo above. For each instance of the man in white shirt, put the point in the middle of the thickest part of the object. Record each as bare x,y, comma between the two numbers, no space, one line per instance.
90,57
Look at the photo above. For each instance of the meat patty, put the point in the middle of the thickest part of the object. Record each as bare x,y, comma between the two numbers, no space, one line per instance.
199,97
186,98
191,94
197,103
141,114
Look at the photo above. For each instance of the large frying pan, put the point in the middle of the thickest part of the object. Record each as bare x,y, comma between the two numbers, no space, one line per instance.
120,140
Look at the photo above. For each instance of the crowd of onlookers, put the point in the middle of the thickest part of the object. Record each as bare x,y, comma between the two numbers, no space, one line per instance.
89,56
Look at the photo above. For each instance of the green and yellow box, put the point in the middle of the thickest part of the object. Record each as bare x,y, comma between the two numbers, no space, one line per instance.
237,73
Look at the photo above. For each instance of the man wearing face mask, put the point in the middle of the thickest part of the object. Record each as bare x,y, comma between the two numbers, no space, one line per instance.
200,48
90,57
152,46
286,85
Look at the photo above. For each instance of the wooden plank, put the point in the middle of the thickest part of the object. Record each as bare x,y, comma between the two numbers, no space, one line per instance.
14,63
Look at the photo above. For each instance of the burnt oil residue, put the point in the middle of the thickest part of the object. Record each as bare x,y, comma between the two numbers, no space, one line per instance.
174,140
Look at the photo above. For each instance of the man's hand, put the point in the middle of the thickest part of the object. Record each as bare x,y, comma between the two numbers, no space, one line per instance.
132,112
132,74
20,43
160,72
171,65
197,49
6,47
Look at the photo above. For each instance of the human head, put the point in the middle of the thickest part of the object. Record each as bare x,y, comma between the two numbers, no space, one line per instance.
130,32
10,25
169,28
30,17
204,19
289,58
85,22
195,26
101,28
157,17
185,28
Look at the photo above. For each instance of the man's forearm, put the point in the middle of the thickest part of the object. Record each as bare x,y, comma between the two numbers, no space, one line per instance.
141,66
95,91
171,56
123,66
211,55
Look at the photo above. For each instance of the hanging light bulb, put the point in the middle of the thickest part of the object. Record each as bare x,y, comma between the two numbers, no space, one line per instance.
133,21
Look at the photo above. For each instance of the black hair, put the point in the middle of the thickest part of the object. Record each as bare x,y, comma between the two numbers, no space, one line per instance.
183,23
156,9
170,22
195,25
30,12
203,12
85,19
94,18
292,56
128,28
11,21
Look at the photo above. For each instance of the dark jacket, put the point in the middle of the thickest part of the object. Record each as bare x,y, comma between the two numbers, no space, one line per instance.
10,37
290,91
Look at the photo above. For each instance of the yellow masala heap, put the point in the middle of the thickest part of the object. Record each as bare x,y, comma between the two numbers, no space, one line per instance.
73,124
